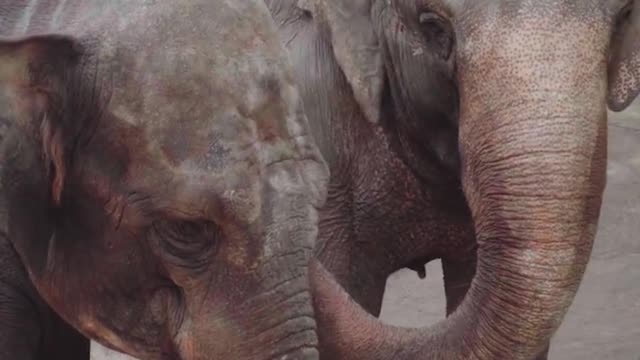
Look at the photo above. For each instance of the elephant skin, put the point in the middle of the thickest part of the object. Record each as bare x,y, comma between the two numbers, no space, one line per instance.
473,131
158,186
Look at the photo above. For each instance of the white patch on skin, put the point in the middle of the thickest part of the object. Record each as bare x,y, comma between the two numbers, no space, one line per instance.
255,98
417,52
281,179
57,14
290,94
25,20
185,330
309,5
229,194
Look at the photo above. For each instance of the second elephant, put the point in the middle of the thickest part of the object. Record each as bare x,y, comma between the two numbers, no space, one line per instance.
470,131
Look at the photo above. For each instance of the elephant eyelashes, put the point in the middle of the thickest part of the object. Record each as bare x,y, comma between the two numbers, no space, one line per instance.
437,32
185,233
187,229
187,244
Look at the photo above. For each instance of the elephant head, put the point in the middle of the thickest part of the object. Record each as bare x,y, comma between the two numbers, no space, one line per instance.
158,182
520,92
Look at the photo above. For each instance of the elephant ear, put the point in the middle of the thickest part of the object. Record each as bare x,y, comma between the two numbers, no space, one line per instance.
356,48
32,80
624,64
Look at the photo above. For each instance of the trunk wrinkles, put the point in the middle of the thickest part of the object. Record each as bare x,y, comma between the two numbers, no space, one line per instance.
533,149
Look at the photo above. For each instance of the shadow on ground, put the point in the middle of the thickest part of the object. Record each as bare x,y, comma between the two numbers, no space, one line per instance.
604,320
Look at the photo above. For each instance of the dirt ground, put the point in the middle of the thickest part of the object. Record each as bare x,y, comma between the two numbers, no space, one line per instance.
604,320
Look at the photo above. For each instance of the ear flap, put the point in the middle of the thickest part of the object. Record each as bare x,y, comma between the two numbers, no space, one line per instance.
356,48
624,64
32,76
36,57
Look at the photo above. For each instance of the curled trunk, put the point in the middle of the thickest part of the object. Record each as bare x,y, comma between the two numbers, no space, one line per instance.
533,146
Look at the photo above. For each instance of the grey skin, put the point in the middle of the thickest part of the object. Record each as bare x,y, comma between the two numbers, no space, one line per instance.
158,186
473,131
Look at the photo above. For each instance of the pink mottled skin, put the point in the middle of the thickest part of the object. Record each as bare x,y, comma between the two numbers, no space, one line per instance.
473,131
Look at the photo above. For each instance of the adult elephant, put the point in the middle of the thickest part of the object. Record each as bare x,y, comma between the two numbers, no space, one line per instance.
158,189
472,131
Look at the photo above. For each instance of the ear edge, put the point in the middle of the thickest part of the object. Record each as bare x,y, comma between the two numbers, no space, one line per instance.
356,49
624,81
42,47
33,52
53,154
617,105
624,64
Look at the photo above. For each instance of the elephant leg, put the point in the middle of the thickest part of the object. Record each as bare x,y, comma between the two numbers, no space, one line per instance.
458,273
29,329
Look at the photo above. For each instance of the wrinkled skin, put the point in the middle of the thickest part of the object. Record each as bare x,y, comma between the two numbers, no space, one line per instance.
473,131
158,188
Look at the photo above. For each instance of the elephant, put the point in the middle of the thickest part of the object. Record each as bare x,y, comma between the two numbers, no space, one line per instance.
158,183
471,131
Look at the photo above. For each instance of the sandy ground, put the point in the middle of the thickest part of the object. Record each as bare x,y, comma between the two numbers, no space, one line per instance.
604,320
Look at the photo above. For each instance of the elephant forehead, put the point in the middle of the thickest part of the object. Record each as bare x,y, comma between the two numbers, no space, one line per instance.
508,38
218,133
207,93
535,5
207,85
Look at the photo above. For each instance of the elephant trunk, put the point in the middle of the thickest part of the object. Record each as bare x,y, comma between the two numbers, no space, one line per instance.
266,312
533,142
533,148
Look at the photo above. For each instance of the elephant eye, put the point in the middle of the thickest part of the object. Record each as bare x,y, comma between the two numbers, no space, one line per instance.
188,228
181,229
185,244
437,32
